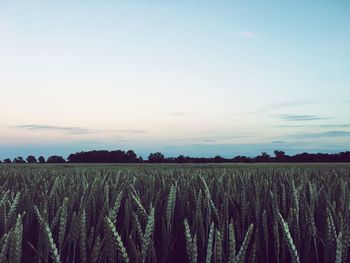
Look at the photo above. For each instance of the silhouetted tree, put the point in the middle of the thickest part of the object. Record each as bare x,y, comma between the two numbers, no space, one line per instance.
181,159
131,156
344,157
156,158
56,159
218,159
242,159
117,156
280,156
31,159
264,157
19,159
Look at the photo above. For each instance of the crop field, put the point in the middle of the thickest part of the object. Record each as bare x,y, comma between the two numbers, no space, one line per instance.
174,213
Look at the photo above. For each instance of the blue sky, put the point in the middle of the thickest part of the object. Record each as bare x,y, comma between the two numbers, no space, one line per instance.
192,77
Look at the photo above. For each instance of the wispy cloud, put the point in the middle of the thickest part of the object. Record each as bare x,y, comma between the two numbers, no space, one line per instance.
300,117
318,135
73,129
64,129
282,105
130,131
293,126
211,139
315,126
220,138
278,142
176,113
247,34
278,106
328,134
335,125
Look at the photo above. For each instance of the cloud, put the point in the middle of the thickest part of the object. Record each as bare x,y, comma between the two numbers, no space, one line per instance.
282,105
72,129
64,129
277,106
335,125
215,138
130,131
318,135
176,113
300,117
329,134
293,126
247,34
315,126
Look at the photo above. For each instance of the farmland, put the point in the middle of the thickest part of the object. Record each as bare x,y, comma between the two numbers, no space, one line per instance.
175,213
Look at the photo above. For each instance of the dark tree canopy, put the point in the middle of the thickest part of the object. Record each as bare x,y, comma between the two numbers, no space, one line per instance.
56,159
31,159
119,156
19,159
280,156
156,157
218,159
264,157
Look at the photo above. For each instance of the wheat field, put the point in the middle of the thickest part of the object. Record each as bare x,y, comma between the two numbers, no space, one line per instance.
173,213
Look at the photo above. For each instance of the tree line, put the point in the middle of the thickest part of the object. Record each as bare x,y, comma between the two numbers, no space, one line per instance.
119,156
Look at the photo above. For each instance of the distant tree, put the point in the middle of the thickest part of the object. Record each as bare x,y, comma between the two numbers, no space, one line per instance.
56,159
19,159
264,157
181,159
218,159
343,157
242,159
169,159
156,158
31,159
119,156
103,156
280,156
131,157
0,161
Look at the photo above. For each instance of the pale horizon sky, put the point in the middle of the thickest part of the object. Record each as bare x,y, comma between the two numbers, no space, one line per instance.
181,77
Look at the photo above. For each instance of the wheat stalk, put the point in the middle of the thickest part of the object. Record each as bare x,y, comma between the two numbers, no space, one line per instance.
210,244
147,237
52,246
117,240
292,250
244,247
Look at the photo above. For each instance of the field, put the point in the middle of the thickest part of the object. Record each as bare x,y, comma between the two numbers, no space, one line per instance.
175,213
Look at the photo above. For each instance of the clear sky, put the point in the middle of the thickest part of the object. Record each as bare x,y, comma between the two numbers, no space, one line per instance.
180,77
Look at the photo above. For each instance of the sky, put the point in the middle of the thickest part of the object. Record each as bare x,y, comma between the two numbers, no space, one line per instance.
198,78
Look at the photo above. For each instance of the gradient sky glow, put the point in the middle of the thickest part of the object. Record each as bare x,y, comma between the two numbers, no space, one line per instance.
180,77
